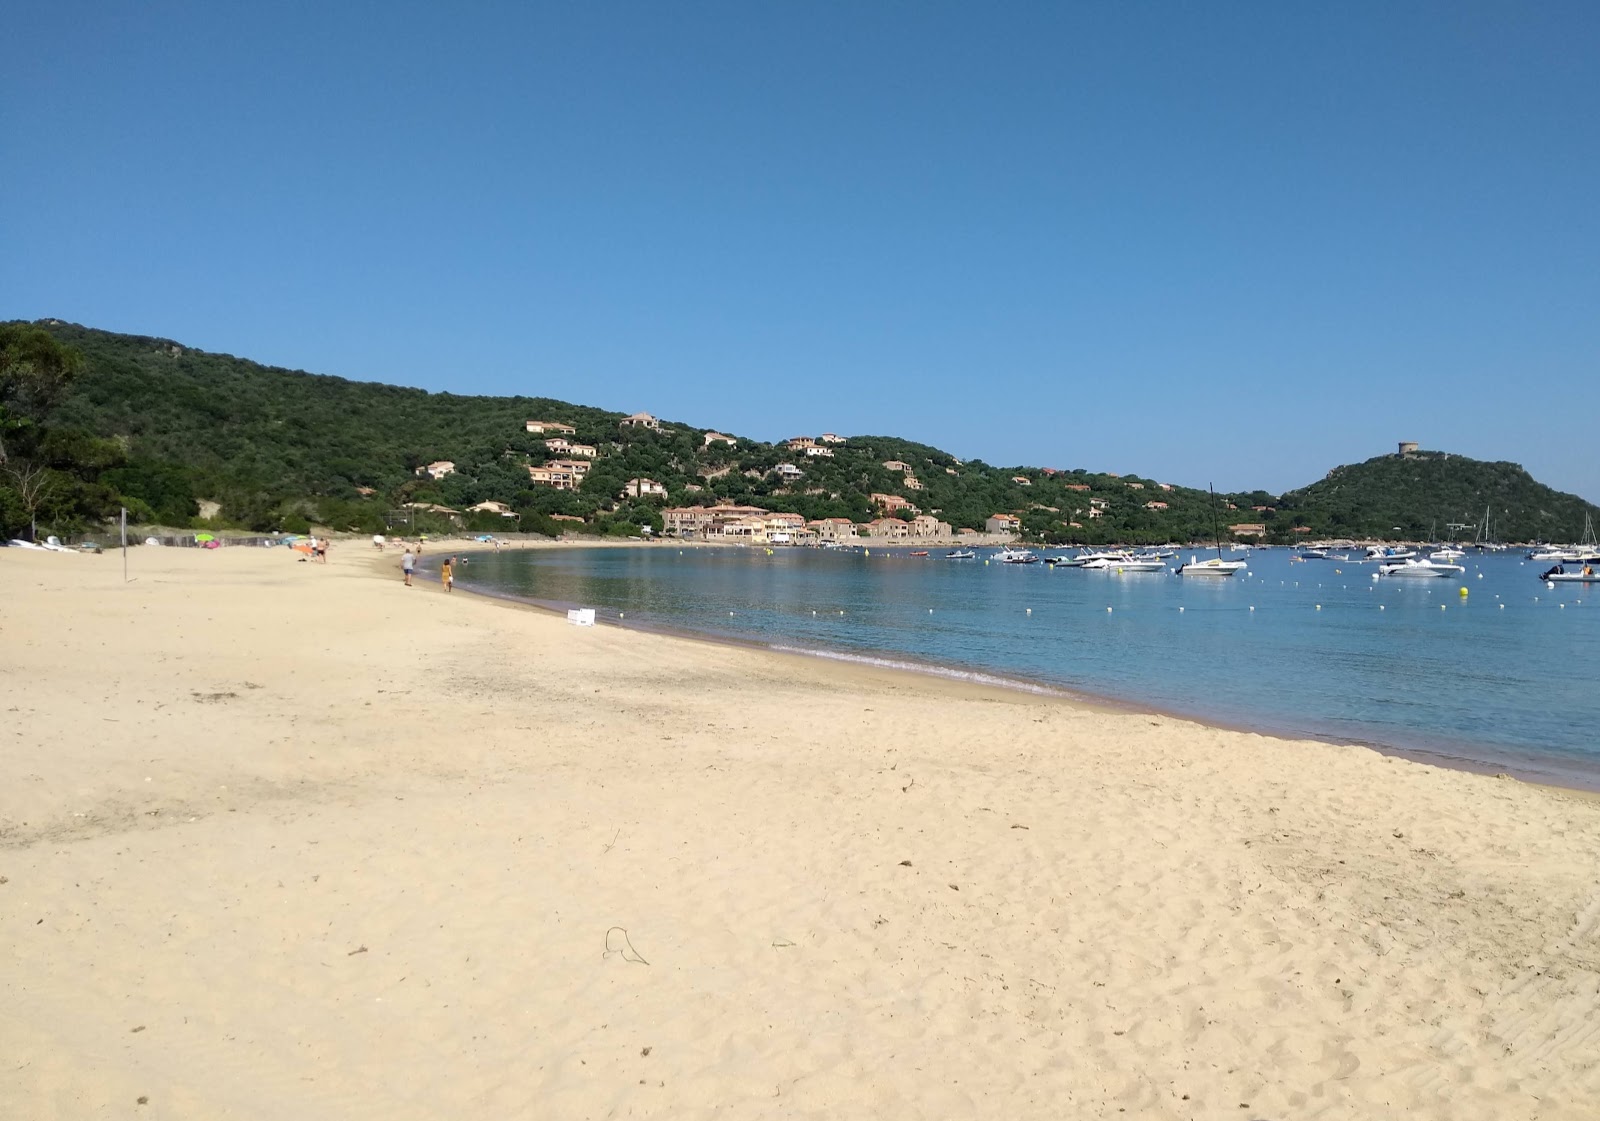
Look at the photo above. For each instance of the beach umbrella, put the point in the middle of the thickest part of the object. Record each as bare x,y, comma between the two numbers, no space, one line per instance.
202,538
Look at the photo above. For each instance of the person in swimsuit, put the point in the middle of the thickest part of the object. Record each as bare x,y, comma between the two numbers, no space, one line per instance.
446,575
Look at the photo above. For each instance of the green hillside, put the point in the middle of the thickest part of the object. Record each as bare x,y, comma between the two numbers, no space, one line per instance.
167,430
1421,494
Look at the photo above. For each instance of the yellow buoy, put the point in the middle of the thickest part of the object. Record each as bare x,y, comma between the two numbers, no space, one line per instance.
1463,590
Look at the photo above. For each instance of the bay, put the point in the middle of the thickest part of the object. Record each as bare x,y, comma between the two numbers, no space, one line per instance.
1502,678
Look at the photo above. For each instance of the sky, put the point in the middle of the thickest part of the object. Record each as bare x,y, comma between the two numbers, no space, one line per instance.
1234,243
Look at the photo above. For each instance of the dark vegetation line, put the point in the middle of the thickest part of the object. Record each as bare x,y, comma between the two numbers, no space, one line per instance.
91,421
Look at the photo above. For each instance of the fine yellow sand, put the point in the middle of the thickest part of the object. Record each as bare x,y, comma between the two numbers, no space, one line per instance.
289,841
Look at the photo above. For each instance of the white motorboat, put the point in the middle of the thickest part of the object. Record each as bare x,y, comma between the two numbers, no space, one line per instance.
1385,554
1446,554
1016,556
1414,567
960,554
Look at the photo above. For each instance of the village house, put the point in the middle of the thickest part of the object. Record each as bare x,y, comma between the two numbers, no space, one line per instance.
432,508
587,451
896,465
707,521
951,471
492,507
1262,509
1080,487
1098,503
892,503
1164,486
1022,480
578,467
1302,529
797,442
1003,523
719,438
640,420
816,450
558,444
1155,505
887,527
643,488
1097,512
542,426
438,469
913,483
550,475
830,438
1248,529
834,529
566,518
788,472
926,525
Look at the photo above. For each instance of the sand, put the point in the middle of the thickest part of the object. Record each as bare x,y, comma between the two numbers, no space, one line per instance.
284,840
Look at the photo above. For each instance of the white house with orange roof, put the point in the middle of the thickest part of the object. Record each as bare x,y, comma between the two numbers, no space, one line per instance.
542,426
643,488
438,469
719,438
640,420
830,438
1003,523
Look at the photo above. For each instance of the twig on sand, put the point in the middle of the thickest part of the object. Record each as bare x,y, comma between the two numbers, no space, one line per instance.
621,946
613,843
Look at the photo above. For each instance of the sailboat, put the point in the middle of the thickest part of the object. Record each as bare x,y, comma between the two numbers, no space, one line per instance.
1212,566
1588,551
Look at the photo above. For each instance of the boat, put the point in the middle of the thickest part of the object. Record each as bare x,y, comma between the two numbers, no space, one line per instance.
1411,566
1559,575
919,552
1588,552
1212,566
1446,554
1124,562
1016,556
960,554
1385,554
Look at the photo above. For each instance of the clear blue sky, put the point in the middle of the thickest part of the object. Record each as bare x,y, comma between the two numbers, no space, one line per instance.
1237,242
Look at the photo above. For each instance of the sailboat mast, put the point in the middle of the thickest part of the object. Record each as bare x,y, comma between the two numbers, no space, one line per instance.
1216,530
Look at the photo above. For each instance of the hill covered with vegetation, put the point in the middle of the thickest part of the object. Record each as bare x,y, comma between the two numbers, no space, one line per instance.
173,432
1432,495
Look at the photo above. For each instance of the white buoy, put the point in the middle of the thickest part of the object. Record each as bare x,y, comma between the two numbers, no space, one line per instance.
620,615
1030,611
1319,607
1108,611
1180,610
1252,607
1502,607
1380,607
930,611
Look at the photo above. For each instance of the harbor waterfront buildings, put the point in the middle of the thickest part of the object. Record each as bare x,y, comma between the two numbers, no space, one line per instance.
757,526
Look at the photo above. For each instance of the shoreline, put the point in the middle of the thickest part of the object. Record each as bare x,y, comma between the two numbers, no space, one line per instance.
291,839
1550,776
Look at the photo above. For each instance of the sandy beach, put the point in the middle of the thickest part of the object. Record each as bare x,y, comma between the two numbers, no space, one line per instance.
286,840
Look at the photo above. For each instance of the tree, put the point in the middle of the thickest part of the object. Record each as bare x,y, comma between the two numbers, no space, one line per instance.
35,374
35,484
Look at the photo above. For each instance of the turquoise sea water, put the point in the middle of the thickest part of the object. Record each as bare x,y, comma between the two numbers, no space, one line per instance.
1504,678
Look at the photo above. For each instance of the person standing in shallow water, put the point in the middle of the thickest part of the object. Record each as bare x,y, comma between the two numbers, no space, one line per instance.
446,573
407,564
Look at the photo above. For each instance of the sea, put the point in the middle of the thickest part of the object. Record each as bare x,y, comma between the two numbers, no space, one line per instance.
1493,670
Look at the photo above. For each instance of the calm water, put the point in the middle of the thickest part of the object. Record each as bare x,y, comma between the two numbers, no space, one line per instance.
1505,677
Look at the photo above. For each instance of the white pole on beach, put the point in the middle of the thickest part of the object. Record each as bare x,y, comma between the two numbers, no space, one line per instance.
124,544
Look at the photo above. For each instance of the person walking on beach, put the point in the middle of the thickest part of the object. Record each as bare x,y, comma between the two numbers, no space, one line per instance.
446,575
407,564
